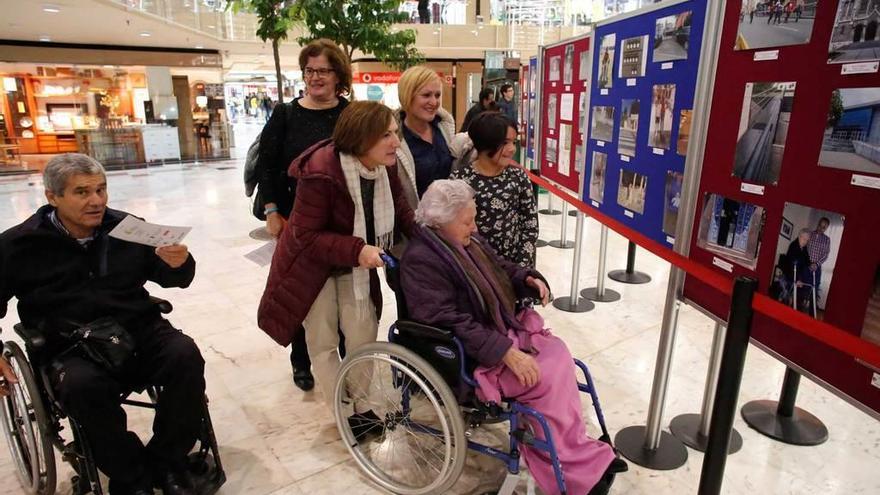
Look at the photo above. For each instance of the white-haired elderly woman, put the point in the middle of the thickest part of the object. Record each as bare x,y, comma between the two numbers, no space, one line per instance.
452,279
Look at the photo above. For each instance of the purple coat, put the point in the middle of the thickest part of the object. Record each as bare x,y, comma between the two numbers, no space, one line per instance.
439,295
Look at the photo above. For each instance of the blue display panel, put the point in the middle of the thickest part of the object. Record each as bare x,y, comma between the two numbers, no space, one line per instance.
644,78
532,90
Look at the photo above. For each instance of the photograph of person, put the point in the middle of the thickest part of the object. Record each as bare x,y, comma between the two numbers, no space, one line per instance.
568,66
776,23
579,158
555,63
662,103
731,229
629,127
602,125
633,56
597,176
852,135
671,201
550,149
606,60
672,36
552,107
583,67
631,191
871,325
806,254
763,128
853,37
684,132
564,164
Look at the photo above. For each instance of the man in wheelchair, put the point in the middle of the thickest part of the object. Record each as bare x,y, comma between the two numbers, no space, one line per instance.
453,280
69,274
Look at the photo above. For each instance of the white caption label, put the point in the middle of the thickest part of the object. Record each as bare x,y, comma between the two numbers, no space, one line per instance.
624,158
752,188
629,213
553,84
666,66
595,204
631,81
875,380
567,87
860,68
603,92
601,144
720,263
670,239
865,181
659,151
767,55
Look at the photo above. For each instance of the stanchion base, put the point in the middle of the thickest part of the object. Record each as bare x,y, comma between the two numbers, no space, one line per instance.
548,211
670,454
572,213
625,277
560,244
541,243
686,427
802,428
580,306
261,234
593,295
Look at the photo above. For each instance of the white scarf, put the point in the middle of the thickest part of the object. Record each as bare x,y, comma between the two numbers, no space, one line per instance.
383,214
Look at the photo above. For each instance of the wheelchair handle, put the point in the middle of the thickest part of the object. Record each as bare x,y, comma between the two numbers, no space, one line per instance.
389,260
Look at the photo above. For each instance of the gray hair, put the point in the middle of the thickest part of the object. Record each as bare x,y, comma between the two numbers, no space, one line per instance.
62,167
442,202
805,231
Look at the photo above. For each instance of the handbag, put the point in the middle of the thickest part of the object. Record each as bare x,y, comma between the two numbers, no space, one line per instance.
104,342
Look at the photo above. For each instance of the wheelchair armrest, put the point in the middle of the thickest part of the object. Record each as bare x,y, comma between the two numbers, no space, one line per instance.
32,337
164,306
418,330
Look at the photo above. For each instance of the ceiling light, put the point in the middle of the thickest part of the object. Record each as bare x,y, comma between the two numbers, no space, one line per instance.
51,9
212,26
145,34
199,47
44,37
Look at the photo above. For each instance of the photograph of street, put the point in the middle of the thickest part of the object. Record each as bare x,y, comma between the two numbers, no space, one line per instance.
662,104
763,127
806,253
568,66
633,56
776,23
555,63
684,132
597,177
731,229
854,36
602,125
550,150
631,191
552,108
852,135
671,201
671,37
606,60
629,127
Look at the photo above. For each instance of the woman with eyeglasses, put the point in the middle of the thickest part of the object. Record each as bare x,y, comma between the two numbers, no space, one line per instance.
293,128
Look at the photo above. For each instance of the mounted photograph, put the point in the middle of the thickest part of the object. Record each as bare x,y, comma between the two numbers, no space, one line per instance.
584,65
775,23
731,229
671,201
555,67
602,124
684,132
606,60
662,104
633,56
631,191
763,127
550,149
854,35
852,132
597,176
672,37
568,65
627,134
552,109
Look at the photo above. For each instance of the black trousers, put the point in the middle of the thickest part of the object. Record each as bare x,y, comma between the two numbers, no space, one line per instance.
299,352
87,393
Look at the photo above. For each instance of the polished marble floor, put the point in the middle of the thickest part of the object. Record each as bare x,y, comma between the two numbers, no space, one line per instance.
276,439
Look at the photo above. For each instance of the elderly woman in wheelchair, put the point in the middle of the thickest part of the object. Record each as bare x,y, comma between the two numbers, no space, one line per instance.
470,333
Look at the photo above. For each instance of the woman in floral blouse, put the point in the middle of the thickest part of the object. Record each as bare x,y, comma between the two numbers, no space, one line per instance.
507,212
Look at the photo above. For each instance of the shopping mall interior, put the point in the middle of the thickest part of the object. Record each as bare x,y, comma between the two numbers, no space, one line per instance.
168,96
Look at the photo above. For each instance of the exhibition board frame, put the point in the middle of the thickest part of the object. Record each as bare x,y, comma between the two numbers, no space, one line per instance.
552,113
530,72
795,184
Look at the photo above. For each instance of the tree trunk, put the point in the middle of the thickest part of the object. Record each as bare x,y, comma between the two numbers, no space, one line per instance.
278,75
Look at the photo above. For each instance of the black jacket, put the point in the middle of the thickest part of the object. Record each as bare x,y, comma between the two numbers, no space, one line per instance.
58,282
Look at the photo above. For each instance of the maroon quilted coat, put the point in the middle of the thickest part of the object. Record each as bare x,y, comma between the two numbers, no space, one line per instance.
317,240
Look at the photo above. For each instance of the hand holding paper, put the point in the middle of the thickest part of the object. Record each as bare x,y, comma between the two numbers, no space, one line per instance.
133,229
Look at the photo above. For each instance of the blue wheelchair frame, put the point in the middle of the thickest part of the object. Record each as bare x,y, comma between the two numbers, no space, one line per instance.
513,414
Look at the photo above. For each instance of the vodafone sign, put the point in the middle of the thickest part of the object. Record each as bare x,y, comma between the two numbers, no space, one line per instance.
376,77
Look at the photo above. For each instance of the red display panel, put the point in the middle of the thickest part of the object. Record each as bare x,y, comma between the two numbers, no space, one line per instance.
777,113
564,91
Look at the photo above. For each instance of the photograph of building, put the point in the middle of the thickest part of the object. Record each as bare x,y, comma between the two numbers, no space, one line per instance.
633,56
731,229
602,125
629,127
855,36
763,128
631,191
852,138
672,37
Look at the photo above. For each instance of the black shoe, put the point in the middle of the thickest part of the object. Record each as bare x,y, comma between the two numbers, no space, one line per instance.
618,465
303,379
363,424
174,482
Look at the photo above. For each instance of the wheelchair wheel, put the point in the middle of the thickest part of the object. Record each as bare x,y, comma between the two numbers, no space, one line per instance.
418,446
26,427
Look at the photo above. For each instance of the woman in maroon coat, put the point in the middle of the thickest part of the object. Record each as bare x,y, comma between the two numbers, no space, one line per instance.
348,206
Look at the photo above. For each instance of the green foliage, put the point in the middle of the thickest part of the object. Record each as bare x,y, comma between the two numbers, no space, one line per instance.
836,110
275,17
364,25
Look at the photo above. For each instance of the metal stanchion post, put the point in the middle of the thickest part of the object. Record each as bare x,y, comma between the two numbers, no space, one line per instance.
733,360
573,303
630,275
550,210
563,242
693,429
782,420
600,293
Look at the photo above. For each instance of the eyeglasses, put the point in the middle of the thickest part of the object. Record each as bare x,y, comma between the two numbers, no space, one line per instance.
321,73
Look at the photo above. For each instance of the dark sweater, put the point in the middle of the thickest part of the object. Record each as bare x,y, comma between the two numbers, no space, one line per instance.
291,130
58,281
